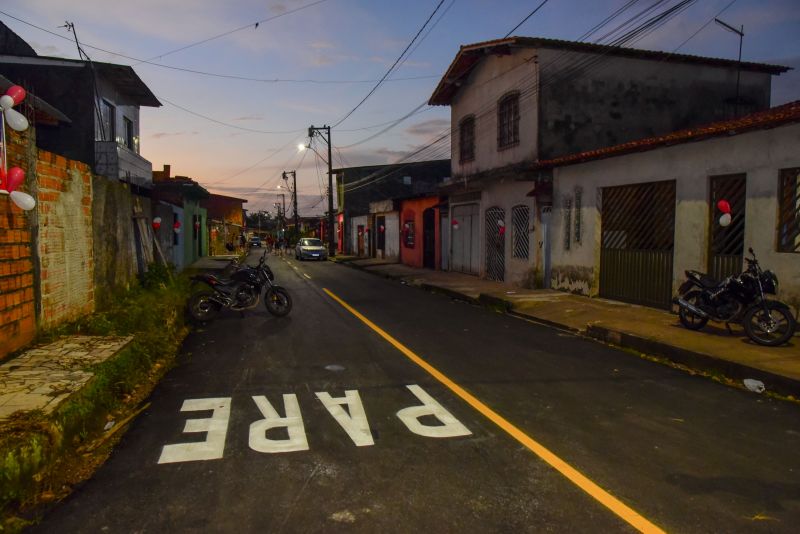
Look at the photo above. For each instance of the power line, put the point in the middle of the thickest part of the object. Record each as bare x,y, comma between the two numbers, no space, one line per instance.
390,68
138,61
532,13
254,25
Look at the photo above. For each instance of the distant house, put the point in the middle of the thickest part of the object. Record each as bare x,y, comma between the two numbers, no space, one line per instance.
102,100
183,234
370,199
642,212
519,100
226,222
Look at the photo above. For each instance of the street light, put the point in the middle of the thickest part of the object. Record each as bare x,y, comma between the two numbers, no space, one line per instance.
740,33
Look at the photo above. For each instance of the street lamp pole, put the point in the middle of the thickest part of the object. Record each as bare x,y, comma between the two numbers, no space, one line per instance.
321,130
294,200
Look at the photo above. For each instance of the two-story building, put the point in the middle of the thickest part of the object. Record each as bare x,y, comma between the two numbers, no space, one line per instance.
101,99
519,100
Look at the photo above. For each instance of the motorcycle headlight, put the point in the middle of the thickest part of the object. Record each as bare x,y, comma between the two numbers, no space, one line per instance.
769,282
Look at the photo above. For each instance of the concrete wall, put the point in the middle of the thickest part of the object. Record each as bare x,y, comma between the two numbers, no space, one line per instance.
506,195
115,244
760,154
412,211
354,224
494,77
620,99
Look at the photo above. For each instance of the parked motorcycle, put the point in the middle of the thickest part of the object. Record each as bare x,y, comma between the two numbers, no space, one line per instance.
739,298
242,291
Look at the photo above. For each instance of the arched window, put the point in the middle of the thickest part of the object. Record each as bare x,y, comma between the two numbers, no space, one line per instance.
508,121
466,139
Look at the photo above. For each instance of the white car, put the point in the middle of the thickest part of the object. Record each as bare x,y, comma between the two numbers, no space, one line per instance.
309,248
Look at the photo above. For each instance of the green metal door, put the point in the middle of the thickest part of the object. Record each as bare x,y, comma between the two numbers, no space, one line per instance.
638,234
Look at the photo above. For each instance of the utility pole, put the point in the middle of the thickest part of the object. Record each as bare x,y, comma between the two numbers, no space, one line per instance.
294,200
318,130
740,33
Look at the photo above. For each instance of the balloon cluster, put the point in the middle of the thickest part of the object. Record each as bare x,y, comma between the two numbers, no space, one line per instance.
455,224
725,207
156,223
11,179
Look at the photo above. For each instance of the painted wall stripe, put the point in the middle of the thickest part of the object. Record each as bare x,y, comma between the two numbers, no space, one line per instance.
622,510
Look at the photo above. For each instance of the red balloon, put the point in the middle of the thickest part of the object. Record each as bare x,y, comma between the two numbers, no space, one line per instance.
16,177
156,225
724,206
2,179
176,225
17,93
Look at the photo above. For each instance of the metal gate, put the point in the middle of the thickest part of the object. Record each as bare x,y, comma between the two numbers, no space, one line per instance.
429,238
638,234
727,242
495,244
464,239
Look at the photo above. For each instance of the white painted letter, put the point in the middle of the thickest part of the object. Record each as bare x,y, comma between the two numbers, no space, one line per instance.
450,428
354,420
293,422
216,427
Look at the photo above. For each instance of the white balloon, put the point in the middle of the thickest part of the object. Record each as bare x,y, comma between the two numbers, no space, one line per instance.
23,200
6,102
725,219
16,120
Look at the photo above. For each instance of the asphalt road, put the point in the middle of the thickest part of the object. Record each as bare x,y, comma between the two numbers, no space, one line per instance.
318,423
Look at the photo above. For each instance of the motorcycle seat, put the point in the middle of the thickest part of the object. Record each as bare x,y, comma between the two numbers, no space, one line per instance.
704,280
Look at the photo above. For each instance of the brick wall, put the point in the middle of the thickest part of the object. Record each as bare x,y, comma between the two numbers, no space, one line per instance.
46,259
17,304
65,238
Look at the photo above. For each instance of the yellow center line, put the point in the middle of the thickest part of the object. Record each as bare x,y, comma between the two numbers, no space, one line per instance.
622,510
304,274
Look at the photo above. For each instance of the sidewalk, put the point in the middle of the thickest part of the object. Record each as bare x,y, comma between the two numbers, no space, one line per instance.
646,330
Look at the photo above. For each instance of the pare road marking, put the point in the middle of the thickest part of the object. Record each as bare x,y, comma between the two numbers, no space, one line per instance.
623,511
353,421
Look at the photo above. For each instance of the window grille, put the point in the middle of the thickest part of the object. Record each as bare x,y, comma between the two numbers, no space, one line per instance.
466,143
520,219
567,222
578,216
789,211
508,121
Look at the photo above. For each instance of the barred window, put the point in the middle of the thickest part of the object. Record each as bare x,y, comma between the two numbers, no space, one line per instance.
567,221
789,211
578,217
466,141
520,219
508,121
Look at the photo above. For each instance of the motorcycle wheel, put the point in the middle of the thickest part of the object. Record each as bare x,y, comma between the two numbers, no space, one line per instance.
278,301
202,307
247,297
688,319
772,326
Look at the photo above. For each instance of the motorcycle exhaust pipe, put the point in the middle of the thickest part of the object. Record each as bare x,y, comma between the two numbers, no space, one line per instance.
692,308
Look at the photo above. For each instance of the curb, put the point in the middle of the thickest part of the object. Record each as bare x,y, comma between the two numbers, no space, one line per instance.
695,360
448,293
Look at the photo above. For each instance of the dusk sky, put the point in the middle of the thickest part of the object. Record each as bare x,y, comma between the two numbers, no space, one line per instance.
348,41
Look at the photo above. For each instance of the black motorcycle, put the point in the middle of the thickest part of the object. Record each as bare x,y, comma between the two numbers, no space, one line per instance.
737,299
242,291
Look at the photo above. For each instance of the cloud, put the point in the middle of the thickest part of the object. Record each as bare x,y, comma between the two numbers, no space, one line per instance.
429,127
249,118
278,9
48,50
159,135
318,45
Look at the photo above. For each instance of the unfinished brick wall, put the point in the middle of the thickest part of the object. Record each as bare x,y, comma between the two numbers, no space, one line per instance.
65,244
17,305
45,253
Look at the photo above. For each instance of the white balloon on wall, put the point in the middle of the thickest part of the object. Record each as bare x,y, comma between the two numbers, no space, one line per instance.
23,200
725,219
16,120
6,102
